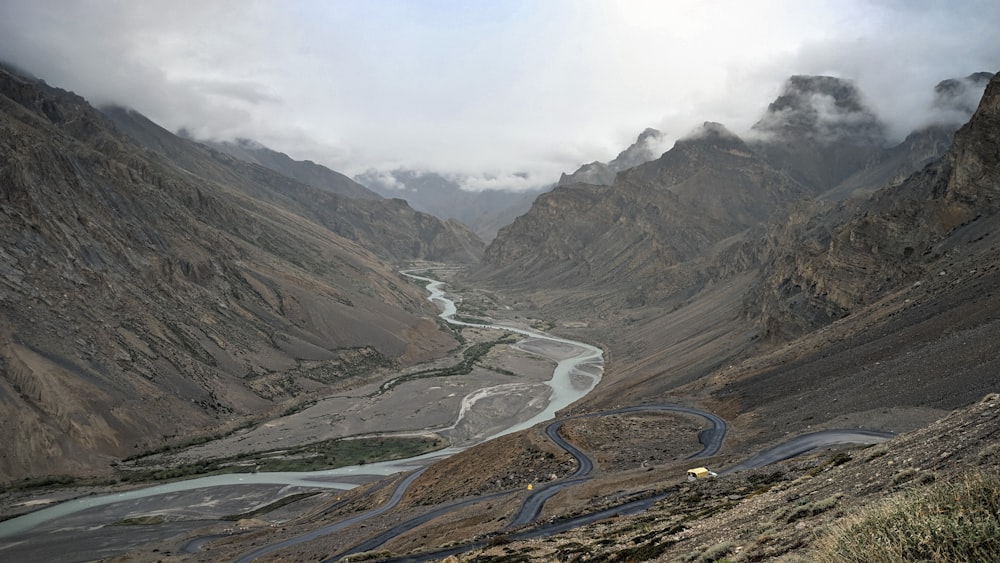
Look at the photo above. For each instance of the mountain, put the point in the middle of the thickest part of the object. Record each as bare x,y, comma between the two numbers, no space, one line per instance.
819,130
389,228
913,269
305,171
645,148
647,233
151,295
712,276
484,211
832,263
959,97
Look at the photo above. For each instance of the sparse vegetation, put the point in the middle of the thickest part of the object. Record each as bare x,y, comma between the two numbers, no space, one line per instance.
310,457
470,356
836,459
811,508
149,520
877,453
43,481
955,521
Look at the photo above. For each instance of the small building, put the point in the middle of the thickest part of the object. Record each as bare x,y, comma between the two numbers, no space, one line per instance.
700,473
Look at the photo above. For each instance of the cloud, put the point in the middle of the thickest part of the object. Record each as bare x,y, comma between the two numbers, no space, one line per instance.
382,178
483,89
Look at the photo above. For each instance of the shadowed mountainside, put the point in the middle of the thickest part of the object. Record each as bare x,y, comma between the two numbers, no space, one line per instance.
648,235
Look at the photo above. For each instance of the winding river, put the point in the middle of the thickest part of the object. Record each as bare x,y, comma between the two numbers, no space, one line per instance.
575,375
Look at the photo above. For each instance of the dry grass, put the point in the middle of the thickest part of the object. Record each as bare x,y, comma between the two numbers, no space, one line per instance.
954,521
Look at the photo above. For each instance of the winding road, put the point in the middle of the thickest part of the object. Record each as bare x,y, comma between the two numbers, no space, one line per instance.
711,440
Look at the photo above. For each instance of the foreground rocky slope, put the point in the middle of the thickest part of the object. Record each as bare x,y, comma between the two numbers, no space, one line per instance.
793,510
144,299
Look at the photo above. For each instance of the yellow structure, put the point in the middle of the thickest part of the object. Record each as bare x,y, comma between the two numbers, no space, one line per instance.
700,473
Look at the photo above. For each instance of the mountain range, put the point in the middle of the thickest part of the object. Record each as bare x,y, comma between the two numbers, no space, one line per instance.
484,211
810,274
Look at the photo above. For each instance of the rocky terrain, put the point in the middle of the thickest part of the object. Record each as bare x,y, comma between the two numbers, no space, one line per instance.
786,512
647,235
307,172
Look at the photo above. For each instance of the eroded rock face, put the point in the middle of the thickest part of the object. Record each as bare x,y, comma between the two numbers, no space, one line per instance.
142,302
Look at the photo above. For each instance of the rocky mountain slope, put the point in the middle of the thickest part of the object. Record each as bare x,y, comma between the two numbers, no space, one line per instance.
148,296
389,228
646,235
307,172
835,262
818,136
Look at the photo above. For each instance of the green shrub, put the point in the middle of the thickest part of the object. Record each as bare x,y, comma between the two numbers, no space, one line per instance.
953,521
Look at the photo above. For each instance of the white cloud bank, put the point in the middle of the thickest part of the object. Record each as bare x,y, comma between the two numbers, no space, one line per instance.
521,90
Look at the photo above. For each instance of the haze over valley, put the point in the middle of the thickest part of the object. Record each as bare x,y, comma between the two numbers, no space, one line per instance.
250,314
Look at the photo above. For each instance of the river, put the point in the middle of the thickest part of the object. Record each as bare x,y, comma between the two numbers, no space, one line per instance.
575,375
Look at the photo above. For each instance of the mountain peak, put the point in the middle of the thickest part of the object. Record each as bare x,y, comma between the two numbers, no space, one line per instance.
647,147
823,109
961,94
714,136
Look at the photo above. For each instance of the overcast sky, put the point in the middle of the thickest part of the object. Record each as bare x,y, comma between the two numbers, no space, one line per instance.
486,88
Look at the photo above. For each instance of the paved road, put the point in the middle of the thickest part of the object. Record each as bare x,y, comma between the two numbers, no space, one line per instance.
807,443
531,508
710,439
404,527
791,448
